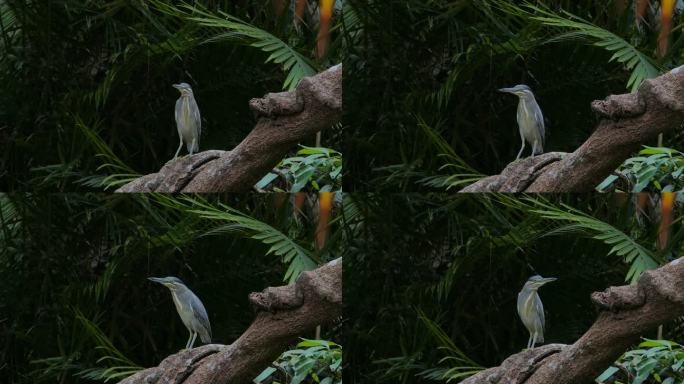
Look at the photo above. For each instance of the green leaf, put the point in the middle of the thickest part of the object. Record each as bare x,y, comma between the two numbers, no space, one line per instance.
607,374
264,374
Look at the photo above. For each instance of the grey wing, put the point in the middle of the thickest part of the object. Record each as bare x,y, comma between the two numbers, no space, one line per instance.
542,320
197,119
540,123
201,315
179,108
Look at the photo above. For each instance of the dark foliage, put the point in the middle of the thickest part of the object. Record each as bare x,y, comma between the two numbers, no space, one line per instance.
425,75
74,270
458,263
74,70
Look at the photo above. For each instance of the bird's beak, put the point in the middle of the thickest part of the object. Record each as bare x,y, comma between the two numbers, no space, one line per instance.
156,279
177,86
548,280
507,90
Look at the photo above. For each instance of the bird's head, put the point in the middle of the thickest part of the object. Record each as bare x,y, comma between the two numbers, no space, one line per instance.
184,89
520,90
171,282
537,281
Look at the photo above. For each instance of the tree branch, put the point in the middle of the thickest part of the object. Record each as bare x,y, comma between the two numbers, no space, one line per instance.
283,314
627,122
625,313
285,119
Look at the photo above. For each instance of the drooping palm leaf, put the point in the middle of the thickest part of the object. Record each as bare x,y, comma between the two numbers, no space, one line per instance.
641,65
117,364
299,258
639,258
295,64
461,367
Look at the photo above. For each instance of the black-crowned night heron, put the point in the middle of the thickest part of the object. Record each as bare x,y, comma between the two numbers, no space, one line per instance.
531,310
530,119
190,309
188,119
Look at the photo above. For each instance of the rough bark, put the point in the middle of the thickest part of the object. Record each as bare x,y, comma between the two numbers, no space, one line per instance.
627,122
283,314
625,313
285,119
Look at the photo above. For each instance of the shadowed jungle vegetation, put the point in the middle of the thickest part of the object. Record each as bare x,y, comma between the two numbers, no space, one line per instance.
75,302
445,272
87,101
421,86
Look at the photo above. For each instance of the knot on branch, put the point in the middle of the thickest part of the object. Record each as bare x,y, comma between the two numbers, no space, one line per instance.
665,282
277,104
615,299
517,176
516,369
177,367
617,106
667,90
272,299
174,175
325,89
324,282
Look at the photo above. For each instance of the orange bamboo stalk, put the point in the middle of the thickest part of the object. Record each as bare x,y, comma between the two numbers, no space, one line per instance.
323,39
666,207
325,200
666,13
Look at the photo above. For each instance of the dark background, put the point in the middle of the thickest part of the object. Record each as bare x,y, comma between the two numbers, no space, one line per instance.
82,79
461,261
423,83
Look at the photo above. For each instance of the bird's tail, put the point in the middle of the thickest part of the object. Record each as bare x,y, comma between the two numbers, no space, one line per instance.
205,336
192,149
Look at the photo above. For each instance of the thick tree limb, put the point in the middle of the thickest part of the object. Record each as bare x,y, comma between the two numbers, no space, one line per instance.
627,122
625,313
283,314
285,119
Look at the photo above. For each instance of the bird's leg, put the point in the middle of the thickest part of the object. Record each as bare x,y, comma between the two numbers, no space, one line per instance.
529,340
534,148
179,147
192,146
187,345
534,339
521,148
194,336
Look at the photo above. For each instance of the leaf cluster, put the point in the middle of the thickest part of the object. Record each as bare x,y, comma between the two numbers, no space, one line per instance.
654,361
656,169
313,169
311,361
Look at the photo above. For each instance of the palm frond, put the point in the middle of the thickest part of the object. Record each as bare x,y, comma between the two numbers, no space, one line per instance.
121,172
299,258
641,65
463,174
639,258
462,365
296,65
118,365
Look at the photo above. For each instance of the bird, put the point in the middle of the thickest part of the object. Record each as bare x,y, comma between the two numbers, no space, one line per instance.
531,310
530,119
188,120
189,307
